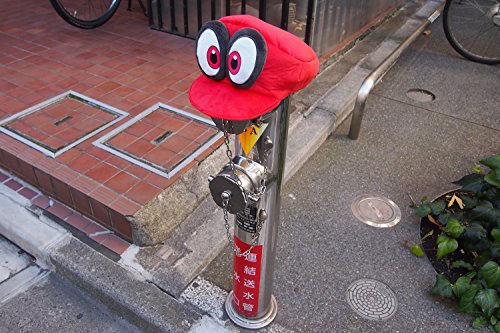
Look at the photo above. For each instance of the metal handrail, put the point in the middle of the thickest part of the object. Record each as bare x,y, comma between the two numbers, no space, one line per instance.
372,79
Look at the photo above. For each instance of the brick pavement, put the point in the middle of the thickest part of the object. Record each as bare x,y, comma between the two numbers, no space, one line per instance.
123,65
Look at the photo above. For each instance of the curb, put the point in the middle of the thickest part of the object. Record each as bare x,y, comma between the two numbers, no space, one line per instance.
140,302
34,234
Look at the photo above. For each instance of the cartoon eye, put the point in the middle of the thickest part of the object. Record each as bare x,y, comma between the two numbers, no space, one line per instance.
211,49
246,57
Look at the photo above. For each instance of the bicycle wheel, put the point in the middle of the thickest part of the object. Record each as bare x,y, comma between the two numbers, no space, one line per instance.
473,29
85,14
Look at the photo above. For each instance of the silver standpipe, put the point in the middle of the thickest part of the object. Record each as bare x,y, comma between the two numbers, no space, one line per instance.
250,187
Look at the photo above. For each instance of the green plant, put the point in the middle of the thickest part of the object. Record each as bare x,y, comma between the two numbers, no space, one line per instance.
467,242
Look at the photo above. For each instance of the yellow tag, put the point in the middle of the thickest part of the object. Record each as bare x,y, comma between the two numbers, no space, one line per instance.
250,136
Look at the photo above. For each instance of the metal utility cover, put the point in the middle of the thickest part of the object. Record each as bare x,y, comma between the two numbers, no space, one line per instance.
372,299
376,211
421,95
60,123
161,139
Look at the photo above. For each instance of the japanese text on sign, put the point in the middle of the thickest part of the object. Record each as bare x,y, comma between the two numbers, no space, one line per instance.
246,279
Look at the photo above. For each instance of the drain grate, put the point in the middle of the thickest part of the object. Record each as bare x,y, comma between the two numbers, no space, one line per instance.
421,95
376,211
372,299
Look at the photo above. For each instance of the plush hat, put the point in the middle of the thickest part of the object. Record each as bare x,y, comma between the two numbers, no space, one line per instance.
248,67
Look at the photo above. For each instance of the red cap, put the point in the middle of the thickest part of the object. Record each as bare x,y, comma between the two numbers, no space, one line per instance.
288,66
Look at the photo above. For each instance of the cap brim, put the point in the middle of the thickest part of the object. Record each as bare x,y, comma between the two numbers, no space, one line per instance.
221,99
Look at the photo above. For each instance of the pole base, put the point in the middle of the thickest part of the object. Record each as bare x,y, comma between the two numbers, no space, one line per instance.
251,323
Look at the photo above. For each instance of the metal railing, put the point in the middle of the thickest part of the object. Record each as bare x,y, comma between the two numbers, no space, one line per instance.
372,79
186,17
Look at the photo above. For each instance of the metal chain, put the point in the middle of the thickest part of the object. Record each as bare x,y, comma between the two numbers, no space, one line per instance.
225,201
229,153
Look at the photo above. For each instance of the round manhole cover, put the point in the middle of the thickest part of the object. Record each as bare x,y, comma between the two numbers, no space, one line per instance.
372,299
421,95
376,211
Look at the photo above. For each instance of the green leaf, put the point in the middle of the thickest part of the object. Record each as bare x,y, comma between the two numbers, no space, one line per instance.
417,251
490,273
471,183
486,215
442,287
485,203
469,202
462,264
495,233
422,210
493,178
493,320
496,203
494,250
497,327
477,169
454,228
437,207
427,235
446,245
487,300
479,322
466,302
492,162
475,232
445,218
461,286
482,259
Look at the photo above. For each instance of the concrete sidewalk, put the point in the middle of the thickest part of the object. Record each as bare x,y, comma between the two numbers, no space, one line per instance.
404,146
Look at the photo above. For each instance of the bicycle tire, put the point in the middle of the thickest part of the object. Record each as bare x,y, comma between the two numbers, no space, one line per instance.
464,21
85,14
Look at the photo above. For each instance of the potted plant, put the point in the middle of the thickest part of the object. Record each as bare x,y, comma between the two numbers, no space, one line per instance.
461,237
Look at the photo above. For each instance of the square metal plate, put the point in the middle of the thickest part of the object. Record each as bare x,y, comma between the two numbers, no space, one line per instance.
60,123
161,139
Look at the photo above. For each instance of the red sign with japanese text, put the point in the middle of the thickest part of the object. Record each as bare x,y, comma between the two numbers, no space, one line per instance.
246,279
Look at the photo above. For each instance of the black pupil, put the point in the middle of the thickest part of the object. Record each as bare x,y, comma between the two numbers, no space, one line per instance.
234,63
213,58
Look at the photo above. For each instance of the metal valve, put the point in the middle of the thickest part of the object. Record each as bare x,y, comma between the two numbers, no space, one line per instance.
238,184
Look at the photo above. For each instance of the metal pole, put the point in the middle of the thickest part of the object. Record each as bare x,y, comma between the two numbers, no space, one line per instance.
309,21
262,9
251,303
285,12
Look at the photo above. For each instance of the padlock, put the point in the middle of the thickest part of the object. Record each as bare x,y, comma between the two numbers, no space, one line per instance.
238,184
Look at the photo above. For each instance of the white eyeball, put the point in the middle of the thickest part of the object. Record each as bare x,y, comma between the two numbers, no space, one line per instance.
211,46
246,57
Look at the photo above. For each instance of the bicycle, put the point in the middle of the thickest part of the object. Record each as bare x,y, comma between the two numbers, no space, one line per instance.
473,29
88,14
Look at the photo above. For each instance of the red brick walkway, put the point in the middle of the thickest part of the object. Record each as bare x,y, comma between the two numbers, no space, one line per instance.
123,64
